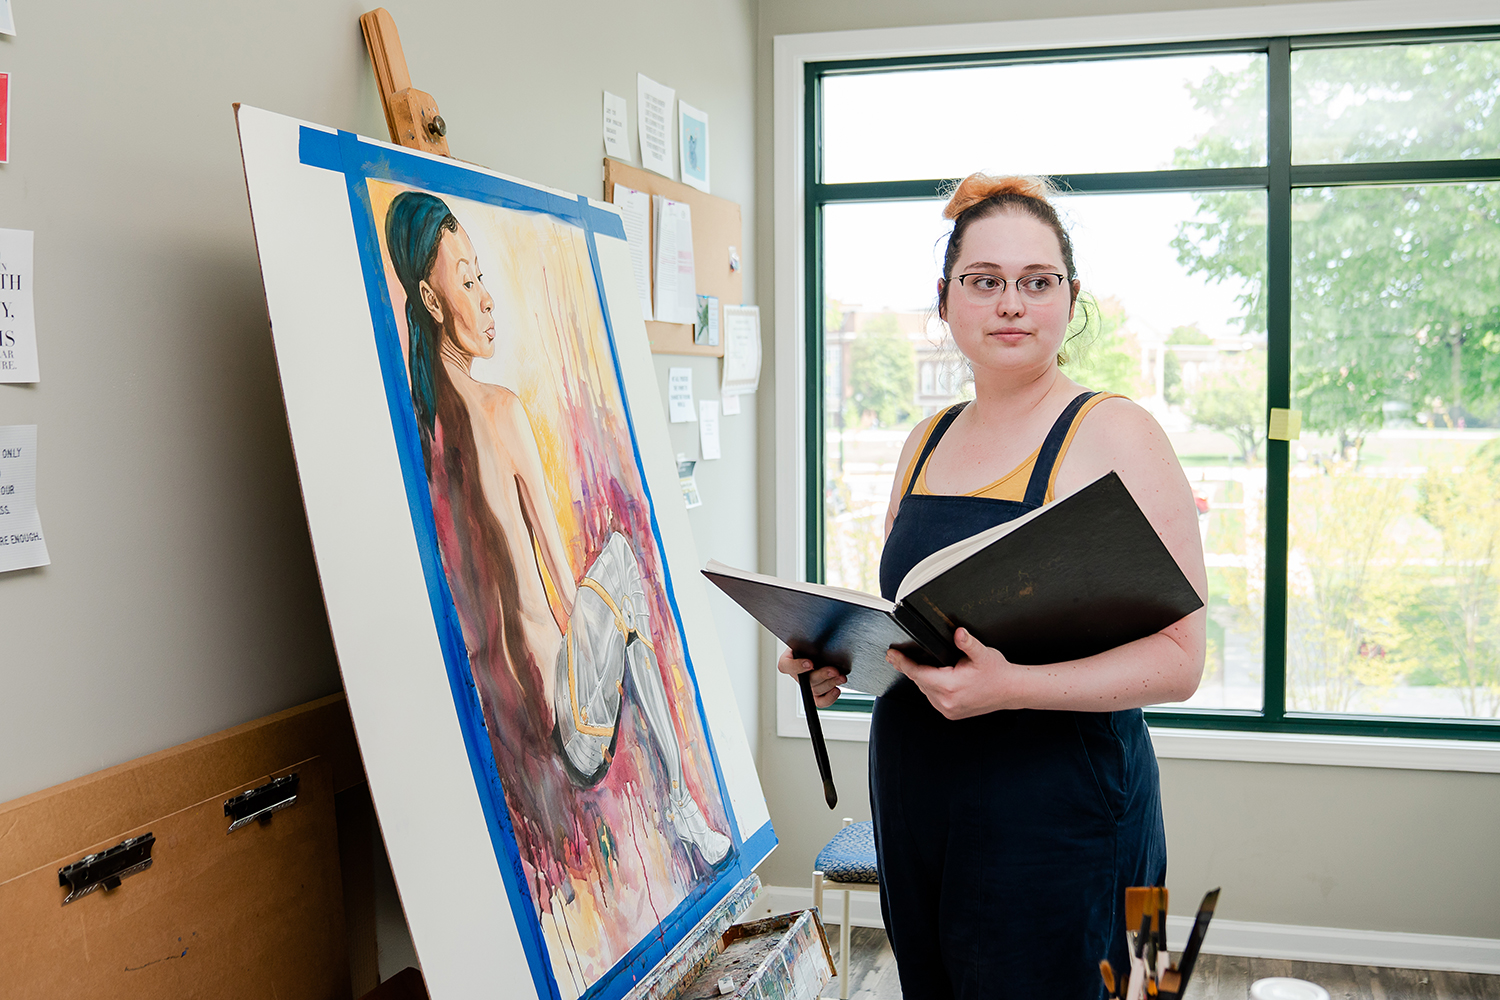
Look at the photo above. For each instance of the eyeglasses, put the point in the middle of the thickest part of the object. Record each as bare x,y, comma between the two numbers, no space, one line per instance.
1039,286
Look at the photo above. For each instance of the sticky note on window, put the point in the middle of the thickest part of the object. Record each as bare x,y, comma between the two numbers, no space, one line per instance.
1286,425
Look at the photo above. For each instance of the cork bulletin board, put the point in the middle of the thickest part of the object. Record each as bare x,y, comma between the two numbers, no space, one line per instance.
716,228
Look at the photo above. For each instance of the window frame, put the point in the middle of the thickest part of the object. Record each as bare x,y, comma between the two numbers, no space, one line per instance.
802,62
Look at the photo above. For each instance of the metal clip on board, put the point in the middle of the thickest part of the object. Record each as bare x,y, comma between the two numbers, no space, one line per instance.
105,869
411,115
260,803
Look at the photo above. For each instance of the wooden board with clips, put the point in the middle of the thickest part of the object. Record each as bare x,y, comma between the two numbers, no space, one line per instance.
252,913
716,234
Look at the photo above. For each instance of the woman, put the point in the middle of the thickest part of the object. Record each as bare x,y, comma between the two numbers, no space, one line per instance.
551,684
1014,804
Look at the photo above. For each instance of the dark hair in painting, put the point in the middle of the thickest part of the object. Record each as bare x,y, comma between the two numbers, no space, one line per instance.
413,231
476,554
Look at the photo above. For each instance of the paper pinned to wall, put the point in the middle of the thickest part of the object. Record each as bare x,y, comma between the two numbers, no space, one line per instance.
708,428
17,321
635,208
676,278
680,396
741,349
692,128
707,329
4,117
653,104
616,136
688,482
21,542
730,404
7,19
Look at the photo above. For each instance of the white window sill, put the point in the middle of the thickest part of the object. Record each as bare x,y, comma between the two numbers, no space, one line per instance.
1217,744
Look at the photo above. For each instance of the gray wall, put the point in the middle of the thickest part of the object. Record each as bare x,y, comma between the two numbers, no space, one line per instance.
183,597
1320,846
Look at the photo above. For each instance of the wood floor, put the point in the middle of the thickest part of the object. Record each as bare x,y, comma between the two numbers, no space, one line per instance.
872,975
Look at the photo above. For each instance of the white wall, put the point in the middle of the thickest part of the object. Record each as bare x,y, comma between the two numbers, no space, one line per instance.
1388,850
183,598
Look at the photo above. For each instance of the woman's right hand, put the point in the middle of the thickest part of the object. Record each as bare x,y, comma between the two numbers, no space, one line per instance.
825,680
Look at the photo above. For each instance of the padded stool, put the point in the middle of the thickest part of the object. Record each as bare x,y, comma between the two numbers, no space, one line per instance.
847,863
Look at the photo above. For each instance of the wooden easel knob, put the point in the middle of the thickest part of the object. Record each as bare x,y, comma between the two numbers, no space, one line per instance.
411,115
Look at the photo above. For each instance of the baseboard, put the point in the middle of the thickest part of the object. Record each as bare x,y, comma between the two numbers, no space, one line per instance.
1388,949
864,907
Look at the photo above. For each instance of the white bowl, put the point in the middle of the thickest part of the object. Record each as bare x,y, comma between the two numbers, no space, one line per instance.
1281,988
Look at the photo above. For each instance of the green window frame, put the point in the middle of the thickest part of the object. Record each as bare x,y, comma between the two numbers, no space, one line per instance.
1279,178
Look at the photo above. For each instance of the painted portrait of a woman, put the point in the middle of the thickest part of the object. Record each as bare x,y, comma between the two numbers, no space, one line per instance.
542,529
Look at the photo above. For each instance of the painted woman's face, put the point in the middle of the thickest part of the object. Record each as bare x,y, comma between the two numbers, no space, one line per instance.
1017,328
454,293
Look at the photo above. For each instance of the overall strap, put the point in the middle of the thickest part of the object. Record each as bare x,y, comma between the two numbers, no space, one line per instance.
1041,473
939,428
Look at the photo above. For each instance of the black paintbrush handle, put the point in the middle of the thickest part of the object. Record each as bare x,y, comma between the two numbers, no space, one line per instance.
1195,939
815,730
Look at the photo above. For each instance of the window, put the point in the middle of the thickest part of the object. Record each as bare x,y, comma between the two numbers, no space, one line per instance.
1307,222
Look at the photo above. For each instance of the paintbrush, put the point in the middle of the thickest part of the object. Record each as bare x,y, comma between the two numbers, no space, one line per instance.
1107,972
815,730
1195,940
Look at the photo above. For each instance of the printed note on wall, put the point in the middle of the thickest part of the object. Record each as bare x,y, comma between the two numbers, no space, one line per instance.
17,325
21,542
653,109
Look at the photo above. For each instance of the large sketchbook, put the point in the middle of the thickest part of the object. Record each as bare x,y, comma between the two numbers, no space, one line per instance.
548,726
1077,577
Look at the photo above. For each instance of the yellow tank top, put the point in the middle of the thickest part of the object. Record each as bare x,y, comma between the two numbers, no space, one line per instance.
1012,485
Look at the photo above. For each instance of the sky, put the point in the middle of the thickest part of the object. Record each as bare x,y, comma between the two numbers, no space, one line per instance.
1075,118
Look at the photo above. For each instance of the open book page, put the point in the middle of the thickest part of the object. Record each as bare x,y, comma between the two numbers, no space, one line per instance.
823,589
945,559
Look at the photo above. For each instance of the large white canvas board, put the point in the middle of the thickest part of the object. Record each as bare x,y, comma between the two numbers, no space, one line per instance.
494,907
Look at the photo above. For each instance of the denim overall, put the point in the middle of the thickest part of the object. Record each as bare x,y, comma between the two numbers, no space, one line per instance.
1005,841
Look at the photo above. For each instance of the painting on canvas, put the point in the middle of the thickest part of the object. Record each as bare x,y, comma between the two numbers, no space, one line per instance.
586,713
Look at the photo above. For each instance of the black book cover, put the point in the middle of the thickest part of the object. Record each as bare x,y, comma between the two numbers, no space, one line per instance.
1080,576
1086,575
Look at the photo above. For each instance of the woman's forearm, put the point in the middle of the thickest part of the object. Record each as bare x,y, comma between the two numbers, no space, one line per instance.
1163,667
1149,671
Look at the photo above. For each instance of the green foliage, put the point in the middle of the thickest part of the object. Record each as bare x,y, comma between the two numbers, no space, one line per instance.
882,375
1189,334
1343,599
1101,354
1171,379
1233,402
1394,289
1455,622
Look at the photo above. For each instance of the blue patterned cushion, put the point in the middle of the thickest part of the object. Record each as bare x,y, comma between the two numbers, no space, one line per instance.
850,855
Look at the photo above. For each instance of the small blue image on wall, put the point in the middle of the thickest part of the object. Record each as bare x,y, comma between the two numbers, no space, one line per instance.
694,146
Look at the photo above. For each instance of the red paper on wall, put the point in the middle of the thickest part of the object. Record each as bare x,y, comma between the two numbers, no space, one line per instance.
4,117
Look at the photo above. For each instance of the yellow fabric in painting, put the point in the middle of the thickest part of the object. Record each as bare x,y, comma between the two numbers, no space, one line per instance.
1012,485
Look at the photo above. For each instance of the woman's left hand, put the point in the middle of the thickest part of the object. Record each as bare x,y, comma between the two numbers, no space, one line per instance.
983,681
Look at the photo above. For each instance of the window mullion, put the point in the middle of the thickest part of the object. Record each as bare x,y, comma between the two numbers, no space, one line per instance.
813,403
1278,362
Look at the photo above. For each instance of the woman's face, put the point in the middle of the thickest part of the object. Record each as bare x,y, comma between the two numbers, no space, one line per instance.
454,293
1013,331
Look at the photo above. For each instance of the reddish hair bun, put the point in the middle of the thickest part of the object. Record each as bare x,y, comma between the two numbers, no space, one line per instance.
978,187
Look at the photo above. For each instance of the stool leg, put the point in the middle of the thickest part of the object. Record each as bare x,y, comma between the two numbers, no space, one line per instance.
818,892
844,934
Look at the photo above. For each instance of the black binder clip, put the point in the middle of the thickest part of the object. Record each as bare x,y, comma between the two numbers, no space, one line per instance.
260,803
105,869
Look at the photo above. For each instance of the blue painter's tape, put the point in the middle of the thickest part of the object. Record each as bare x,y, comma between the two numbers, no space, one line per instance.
317,148
360,160
444,615
761,843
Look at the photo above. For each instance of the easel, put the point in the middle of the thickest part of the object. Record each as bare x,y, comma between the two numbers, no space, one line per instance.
774,956
411,115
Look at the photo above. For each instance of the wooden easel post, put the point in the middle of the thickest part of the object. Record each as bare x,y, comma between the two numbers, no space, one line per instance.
411,115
